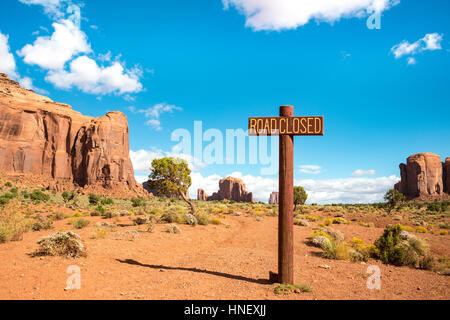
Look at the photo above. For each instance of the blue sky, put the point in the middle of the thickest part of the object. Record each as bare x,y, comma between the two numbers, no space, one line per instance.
165,64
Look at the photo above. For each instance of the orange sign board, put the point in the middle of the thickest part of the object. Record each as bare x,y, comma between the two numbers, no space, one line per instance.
295,126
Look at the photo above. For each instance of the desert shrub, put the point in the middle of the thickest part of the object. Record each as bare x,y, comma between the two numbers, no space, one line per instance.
58,216
321,242
14,191
285,289
327,222
434,207
67,244
215,221
80,223
37,196
107,201
68,196
99,234
13,225
99,210
172,228
333,233
94,199
337,250
301,222
8,184
140,221
400,249
169,217
420,229
25,194
137,202
3,201
42,223
190,219
203,219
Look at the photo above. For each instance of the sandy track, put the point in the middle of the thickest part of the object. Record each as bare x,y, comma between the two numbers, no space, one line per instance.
207,262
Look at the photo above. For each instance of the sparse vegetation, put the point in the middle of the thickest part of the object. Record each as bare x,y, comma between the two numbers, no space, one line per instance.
284,289
67,244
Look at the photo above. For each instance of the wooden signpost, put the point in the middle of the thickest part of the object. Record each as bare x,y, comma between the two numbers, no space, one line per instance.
286,126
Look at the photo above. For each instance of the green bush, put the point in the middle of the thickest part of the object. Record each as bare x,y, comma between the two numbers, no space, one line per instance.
37,196
400,249
107,201
8,184
68,196
99,210
80,223
94,199
137,202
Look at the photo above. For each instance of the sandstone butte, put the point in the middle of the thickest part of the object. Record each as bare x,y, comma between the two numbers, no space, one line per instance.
48,143
425,177
273,199
229,189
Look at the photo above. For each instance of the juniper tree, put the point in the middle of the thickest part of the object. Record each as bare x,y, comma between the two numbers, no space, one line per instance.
171,176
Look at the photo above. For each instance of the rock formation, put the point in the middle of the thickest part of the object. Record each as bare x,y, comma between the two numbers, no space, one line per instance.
201,195
52,142
446,175
273,198
423,177
232,189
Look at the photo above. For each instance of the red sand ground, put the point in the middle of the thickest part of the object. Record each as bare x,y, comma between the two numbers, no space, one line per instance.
207,262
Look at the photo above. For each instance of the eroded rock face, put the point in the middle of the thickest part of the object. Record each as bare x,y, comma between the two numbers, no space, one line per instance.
422,176
446,175
273,198
232,189
42,138
201,195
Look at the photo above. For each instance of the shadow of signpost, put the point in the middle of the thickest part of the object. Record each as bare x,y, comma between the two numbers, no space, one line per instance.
214,273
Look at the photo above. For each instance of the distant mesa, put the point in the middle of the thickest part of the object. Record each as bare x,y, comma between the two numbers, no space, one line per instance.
50,144
425,177
201,195
229,189
273,198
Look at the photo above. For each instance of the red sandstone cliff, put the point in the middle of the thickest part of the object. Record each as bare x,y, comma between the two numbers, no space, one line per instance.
424,177
50,141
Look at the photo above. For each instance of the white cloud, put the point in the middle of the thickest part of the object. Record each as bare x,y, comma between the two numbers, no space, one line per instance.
155,112
411,61
311,169
290,14
68,41
7,61
360,173
345,190
86,75
52,52
8,66
158,109
155,124
142,159
53,8
430,42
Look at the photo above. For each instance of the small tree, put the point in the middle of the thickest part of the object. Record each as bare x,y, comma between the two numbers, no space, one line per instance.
300,197
394,197
170,176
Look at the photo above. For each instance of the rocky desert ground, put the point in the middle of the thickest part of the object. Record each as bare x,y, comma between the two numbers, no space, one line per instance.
149,248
